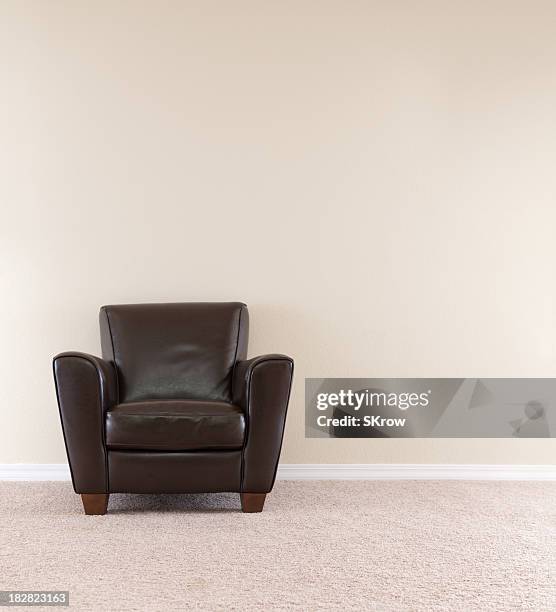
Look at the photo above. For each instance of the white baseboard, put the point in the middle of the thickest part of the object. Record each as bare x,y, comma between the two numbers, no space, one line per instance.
415,471
337,471
34,471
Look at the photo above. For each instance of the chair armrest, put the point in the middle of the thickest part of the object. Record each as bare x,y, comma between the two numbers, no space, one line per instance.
262,388
86,386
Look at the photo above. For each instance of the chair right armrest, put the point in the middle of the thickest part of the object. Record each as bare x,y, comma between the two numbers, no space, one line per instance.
262,388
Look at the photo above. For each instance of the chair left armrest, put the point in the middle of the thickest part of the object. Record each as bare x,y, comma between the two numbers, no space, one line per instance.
86,387
262,388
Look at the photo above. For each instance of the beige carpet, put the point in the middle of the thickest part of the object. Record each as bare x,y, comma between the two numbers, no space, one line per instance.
317,546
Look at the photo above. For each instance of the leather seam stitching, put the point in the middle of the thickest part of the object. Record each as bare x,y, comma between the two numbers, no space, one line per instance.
237,347
114,354
140,449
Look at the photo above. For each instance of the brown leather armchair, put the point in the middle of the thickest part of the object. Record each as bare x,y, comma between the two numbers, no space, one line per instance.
173,406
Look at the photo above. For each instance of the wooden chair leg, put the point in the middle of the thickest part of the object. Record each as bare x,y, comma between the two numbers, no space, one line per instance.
95,503
252,502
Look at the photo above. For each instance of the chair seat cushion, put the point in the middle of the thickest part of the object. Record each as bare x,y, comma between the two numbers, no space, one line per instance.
175,425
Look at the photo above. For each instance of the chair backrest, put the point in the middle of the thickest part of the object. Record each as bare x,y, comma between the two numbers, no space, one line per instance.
175,351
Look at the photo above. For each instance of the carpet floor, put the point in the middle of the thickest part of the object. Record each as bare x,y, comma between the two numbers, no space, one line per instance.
323,545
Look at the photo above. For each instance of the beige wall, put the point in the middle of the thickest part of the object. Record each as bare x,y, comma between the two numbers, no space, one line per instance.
375,179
